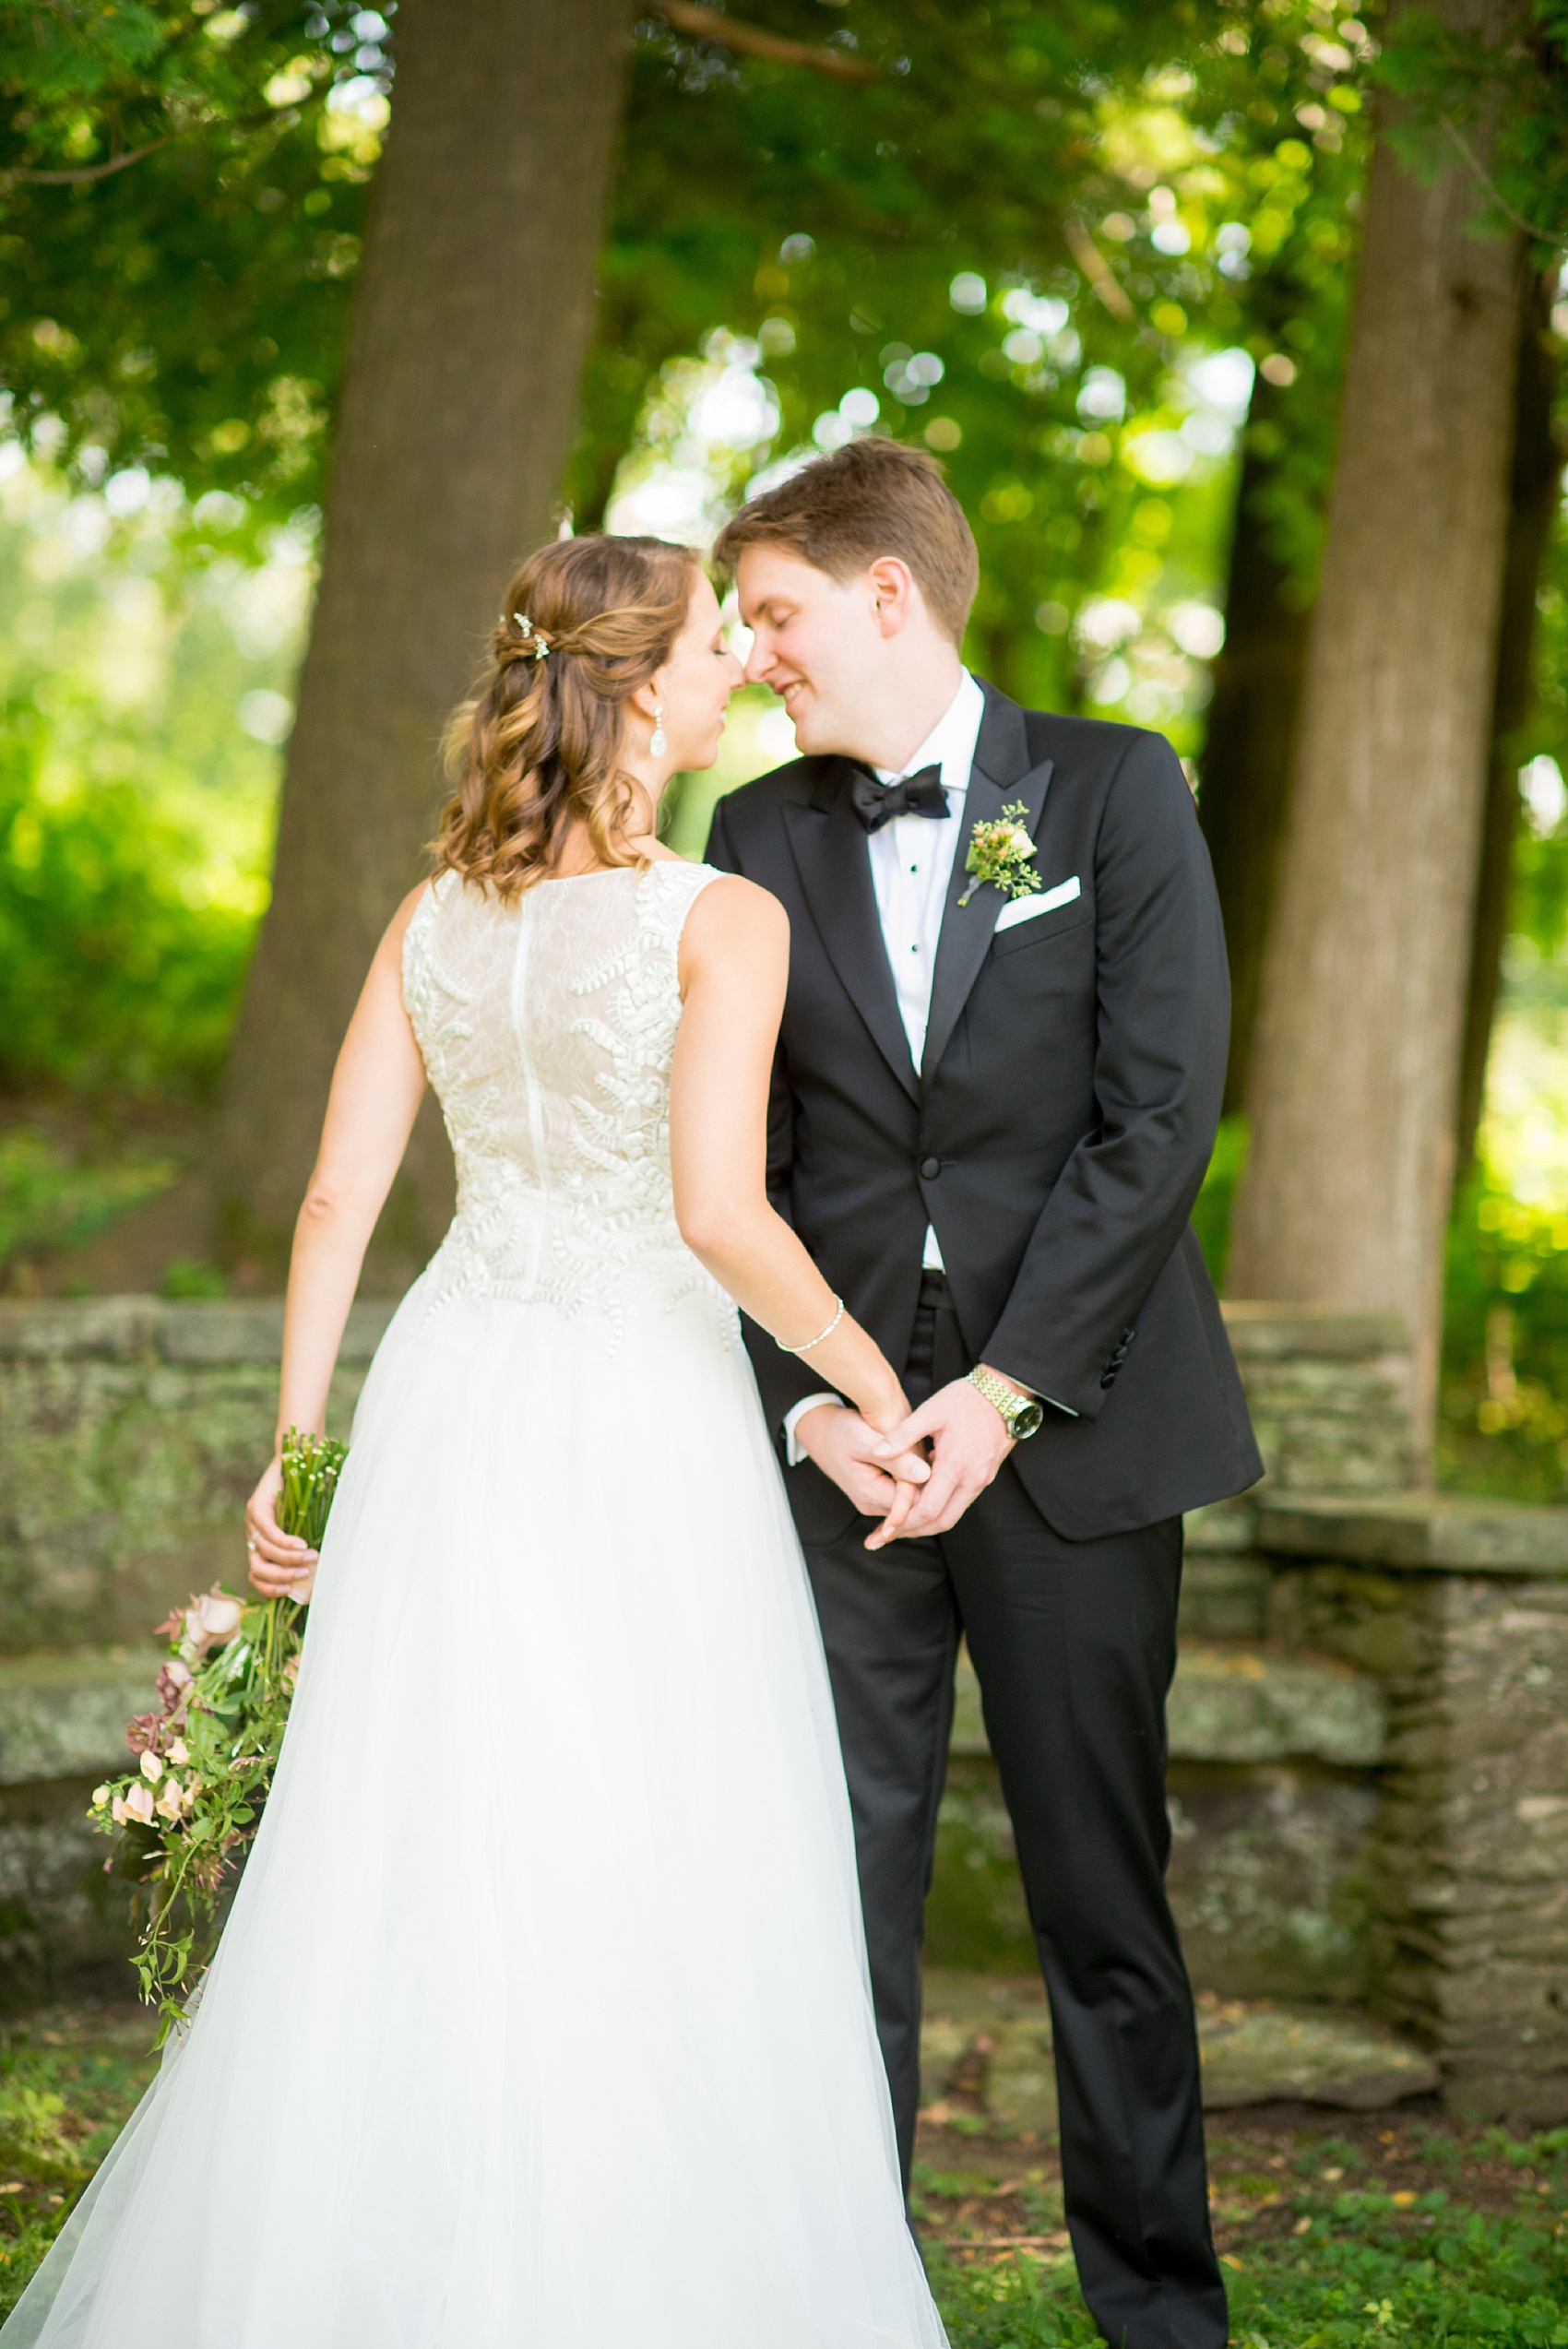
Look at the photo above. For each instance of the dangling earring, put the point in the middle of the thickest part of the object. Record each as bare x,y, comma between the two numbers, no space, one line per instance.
657,745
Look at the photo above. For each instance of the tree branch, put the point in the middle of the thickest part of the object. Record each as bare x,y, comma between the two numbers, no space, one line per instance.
91,171
1097,268
274,118
685,15
1490,185
753,40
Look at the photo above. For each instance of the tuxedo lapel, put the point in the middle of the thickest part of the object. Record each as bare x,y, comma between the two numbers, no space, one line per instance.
829,844
1001,777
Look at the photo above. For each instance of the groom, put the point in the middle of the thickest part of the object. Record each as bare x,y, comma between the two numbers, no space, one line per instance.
992,1111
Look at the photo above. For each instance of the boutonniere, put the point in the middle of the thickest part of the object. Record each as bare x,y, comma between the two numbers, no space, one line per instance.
1000,852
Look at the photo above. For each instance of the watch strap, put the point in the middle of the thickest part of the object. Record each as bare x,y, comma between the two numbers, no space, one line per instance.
1014,1408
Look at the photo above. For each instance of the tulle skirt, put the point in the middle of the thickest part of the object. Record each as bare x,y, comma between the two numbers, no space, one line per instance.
542,2018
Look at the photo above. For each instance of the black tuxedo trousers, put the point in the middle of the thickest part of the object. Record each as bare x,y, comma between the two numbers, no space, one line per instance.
1073,1645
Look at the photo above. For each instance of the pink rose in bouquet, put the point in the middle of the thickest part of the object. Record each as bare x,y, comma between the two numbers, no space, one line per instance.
212,1621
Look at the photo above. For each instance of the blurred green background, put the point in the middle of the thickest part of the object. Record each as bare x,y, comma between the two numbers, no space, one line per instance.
152,613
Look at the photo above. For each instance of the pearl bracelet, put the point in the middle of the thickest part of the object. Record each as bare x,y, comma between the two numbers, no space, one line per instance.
821,1334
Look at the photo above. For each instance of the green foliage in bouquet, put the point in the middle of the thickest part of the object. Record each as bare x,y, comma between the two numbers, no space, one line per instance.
184,1817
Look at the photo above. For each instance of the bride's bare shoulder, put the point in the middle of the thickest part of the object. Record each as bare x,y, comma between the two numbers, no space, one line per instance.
393,935
734,922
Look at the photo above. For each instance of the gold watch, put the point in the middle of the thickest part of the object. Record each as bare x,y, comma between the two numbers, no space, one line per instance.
1022,1414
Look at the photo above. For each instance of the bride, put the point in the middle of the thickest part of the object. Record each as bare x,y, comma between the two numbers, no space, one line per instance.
541,2018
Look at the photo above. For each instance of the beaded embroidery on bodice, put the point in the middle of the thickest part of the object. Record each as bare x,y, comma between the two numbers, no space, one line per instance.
548,1028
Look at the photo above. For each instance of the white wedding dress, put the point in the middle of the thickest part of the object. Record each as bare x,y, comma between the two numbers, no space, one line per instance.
541,2018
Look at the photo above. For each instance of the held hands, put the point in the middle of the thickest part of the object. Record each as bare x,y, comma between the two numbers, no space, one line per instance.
882,1481
969,1442
282,1565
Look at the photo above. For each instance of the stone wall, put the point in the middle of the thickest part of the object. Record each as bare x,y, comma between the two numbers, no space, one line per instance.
1369,1730
131,1434
1457,1611
1273,1788
1329,1394
63,1716
131,1431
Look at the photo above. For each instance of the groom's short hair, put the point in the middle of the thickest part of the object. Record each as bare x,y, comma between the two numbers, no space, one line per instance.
872,498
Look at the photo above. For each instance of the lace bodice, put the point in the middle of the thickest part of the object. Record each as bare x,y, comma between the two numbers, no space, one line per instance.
548,1028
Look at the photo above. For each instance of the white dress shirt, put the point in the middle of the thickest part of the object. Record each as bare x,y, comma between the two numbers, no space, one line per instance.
911,864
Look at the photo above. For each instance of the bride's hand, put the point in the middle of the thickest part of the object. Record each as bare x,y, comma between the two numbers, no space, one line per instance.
906,1494
908,1470
842,1445
282,1566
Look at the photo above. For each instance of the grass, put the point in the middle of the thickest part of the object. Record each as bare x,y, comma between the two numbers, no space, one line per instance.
69,2078
1338,2231
1451,2276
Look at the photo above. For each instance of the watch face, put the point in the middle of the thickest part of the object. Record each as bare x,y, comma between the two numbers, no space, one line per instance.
1026,1420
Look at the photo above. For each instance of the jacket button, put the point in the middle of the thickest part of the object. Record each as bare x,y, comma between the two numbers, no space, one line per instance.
929,1170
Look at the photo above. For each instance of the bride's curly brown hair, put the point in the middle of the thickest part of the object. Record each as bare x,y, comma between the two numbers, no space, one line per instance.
538,746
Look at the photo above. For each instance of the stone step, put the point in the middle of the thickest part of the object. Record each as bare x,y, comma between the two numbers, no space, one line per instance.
1255,2052
1243,1704
63,1714
987,2039
195,1330
1420,1533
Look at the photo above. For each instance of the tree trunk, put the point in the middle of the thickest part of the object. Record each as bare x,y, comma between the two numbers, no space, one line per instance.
1354,1086
470,321
1247,754
1538,463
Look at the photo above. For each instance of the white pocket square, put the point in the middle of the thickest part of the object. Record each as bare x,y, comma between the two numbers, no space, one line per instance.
1044,901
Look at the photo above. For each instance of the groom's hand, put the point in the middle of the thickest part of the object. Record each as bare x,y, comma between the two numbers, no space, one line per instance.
970,1441
880,1483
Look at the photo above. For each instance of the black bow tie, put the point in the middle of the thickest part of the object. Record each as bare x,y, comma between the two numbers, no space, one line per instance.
877,803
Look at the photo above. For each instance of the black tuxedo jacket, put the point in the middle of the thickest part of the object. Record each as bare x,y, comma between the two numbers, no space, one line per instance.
1057,1133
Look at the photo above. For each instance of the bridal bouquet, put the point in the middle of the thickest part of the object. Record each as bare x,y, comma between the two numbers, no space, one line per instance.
183,1816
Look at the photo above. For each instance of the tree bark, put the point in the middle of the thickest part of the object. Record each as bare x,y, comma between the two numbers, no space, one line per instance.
1345,1197
1533,489
1247,756
470,321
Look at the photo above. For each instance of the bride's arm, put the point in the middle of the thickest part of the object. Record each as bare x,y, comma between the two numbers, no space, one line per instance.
735,966
376,1089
